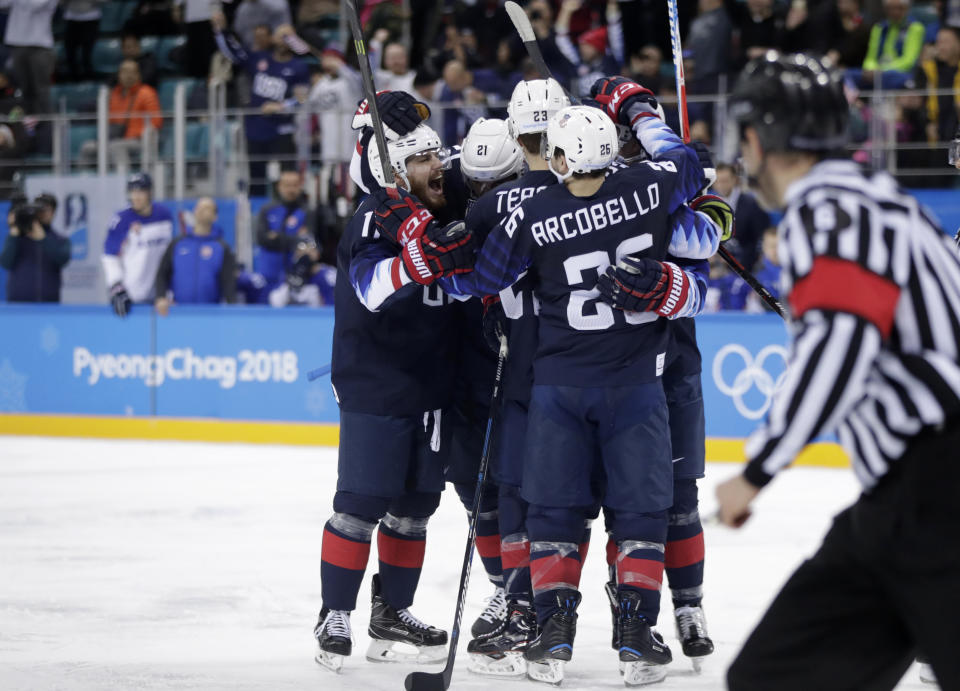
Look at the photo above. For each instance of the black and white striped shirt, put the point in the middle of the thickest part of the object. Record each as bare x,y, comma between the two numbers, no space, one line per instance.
874,292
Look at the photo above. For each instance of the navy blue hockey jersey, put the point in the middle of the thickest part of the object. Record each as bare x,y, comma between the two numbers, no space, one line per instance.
564,242
394,344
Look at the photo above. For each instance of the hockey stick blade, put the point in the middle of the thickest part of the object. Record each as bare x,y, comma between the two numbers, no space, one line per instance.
315,374
369,92
440,681
521,22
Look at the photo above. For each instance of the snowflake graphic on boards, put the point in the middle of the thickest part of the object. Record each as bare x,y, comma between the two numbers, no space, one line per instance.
316,400
49,339
13,386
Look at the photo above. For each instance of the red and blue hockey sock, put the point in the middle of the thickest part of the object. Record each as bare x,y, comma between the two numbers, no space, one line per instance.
514,545
488,528
401,543
344,554
585,541
685,548
554,555
640,563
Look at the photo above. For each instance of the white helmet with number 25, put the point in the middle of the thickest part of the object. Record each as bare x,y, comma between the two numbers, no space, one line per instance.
532,104
587,137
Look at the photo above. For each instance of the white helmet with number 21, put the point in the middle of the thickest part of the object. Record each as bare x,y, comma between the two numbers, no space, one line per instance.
587,137
488,153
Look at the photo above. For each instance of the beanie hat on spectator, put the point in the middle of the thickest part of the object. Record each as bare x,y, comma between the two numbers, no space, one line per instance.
334,52
596,38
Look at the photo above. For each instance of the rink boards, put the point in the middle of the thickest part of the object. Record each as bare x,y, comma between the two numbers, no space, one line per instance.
239,373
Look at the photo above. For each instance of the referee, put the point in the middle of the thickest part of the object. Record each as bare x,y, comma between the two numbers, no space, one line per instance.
874,293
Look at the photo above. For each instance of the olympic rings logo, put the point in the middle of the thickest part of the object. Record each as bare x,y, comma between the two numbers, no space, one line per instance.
752,375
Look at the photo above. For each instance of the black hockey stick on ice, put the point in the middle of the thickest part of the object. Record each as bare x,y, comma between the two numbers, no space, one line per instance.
521,22
369,92
440,681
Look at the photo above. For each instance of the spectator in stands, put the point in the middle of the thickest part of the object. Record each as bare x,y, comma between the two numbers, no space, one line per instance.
82,24
281,226
315,15
645,67
894,49
706,52
262,38
464,103
592,58
941,73
29,34
396,74
280,81
199,267
759,27
768,272
34,255
131,49
13,136
837,30
725,290
133,104
200,45
752,220
152,18
253,13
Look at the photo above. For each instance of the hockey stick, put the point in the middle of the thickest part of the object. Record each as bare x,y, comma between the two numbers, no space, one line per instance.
521,22
440,681
731,261
315,374
369,92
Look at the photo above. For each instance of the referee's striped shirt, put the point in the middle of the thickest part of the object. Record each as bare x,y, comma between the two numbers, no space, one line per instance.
874,292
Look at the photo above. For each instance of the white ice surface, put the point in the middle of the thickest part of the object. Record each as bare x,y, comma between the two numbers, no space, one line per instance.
156,565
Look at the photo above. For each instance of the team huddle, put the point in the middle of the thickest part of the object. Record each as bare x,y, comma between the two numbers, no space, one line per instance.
574,238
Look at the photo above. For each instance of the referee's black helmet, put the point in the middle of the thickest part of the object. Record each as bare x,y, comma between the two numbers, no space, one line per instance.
793,102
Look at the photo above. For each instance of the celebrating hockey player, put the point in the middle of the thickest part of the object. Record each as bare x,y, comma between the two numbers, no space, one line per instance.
873,286
594,363
138,237
488,157
391,319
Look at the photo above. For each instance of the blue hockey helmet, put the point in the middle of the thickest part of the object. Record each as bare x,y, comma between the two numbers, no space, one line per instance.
139,181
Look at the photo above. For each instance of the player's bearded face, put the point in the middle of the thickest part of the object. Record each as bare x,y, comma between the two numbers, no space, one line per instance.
425,174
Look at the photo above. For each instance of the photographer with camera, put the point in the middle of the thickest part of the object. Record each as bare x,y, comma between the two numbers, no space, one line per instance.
309,281
33,254
199,267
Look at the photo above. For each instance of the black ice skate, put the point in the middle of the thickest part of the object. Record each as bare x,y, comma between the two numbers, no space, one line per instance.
333,634
611,589
500,654
692,632
398,636
493,617
554,646
643,654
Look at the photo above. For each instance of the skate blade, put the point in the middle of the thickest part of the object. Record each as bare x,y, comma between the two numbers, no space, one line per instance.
397,651
697,663
331,661
547,671
511,665
643,673
926,674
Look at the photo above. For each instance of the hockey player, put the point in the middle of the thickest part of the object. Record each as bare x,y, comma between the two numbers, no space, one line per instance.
566,236
137,238
488,157
393,325
874,292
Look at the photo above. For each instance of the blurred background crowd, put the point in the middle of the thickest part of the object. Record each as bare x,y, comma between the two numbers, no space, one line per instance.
224,99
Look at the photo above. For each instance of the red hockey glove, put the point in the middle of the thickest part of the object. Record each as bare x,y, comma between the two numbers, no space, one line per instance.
645,285
623,100
400,216
441,251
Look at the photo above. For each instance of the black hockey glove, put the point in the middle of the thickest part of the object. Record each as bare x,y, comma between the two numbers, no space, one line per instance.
400,216
494,322
645,285
399,112
706,162
441,251
624,100
119,300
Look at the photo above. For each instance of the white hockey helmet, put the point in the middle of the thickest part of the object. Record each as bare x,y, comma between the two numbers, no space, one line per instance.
422,139
532,104
587,137
489,155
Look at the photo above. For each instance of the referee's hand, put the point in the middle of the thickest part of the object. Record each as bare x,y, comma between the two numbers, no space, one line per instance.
734,497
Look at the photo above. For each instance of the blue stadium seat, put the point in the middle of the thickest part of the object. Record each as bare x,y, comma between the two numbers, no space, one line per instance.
148,44
106,56
167,88
164,46
78,135
196,142
114,16
80,97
